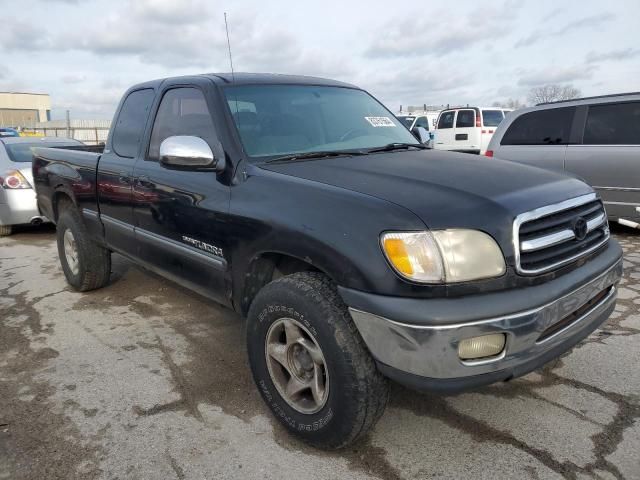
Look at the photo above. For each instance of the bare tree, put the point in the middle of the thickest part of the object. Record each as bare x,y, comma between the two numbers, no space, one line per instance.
552,93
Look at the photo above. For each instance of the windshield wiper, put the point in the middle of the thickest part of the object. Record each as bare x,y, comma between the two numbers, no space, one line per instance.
321,154
397,146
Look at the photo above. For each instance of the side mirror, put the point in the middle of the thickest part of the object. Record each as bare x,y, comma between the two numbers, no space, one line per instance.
189,153
421,134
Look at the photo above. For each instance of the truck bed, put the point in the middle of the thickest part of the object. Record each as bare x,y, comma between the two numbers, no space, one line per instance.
67,171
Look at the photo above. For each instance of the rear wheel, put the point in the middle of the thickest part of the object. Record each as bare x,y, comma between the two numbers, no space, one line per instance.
5,230
85,264
310,363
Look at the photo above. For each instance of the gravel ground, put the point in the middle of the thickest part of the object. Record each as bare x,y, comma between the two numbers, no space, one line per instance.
143,379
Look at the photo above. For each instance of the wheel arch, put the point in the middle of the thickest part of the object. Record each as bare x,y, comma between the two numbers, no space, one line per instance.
60,197
267,266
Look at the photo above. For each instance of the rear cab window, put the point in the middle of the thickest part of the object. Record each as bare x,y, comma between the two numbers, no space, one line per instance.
541,127
492,118
613,124
129,127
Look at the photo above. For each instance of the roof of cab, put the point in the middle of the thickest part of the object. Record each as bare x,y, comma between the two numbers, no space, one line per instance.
242,78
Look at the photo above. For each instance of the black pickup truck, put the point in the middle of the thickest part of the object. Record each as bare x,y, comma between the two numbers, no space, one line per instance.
355,254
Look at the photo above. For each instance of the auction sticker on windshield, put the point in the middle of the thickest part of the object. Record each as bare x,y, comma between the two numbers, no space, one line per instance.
380,121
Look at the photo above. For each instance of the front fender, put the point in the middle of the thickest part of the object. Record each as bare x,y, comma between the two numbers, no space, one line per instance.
334,229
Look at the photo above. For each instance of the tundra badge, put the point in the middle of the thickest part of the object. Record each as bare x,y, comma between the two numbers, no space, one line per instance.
203,246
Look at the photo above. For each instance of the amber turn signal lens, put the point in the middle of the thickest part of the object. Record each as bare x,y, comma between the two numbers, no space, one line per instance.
414,255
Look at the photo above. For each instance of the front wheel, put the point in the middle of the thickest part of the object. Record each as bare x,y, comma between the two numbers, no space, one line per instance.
310,363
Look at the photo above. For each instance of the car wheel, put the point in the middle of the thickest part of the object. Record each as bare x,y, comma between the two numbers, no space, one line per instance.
5,230
85,264
310,363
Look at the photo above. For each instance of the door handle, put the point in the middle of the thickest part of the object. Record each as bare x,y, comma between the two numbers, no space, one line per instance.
144,181
124,178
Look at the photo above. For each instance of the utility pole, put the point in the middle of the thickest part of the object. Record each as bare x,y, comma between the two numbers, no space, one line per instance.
68,125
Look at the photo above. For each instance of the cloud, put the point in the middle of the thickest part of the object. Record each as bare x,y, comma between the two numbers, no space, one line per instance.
4,72
188,34
553,14
73,78
86,102
623,54
420,35
591,21
20,35
553,74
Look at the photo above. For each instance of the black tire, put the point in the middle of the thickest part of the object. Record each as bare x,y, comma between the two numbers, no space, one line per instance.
357,391
94,261
5,230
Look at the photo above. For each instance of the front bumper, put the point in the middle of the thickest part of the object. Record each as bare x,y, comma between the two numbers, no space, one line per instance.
421,349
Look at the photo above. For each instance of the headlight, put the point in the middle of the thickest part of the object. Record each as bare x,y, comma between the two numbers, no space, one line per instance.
441,256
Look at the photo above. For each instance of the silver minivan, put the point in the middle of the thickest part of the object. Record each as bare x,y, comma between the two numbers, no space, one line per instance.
597,139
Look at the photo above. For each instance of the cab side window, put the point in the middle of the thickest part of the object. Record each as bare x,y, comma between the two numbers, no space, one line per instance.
613,124
446,120
182,111
131,121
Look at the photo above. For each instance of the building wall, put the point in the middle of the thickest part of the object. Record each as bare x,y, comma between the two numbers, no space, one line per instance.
24,109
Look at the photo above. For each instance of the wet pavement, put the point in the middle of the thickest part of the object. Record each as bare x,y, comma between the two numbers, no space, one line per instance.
143,379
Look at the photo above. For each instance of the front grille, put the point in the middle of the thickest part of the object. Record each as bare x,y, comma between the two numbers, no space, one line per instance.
552,236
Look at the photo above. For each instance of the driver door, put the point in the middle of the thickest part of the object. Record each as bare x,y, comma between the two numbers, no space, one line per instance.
180,214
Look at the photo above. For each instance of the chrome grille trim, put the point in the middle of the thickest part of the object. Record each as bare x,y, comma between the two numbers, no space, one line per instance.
555,238
558,237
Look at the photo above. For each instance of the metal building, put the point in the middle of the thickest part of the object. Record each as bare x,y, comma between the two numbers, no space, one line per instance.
19,109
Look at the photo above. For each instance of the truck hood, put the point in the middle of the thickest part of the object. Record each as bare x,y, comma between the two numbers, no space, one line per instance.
444,189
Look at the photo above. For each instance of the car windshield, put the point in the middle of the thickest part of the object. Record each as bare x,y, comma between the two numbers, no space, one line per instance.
21,152
278,120
492,118
408,121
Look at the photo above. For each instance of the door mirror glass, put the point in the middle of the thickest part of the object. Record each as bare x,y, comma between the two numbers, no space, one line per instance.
187,152
421,134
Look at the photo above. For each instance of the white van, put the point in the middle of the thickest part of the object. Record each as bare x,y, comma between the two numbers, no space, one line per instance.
467,129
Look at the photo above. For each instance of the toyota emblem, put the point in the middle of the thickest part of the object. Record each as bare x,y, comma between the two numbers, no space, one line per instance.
580,228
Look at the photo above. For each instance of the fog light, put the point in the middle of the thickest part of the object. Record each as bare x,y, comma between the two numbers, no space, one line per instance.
480,347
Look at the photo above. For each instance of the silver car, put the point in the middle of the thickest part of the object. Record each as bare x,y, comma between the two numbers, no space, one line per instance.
17,197
597,139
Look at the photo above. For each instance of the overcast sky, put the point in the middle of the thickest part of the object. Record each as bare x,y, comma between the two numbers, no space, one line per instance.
85,53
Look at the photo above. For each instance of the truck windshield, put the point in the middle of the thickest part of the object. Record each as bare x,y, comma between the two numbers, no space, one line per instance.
276,120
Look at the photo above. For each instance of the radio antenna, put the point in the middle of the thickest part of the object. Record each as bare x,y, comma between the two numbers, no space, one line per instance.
226,26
